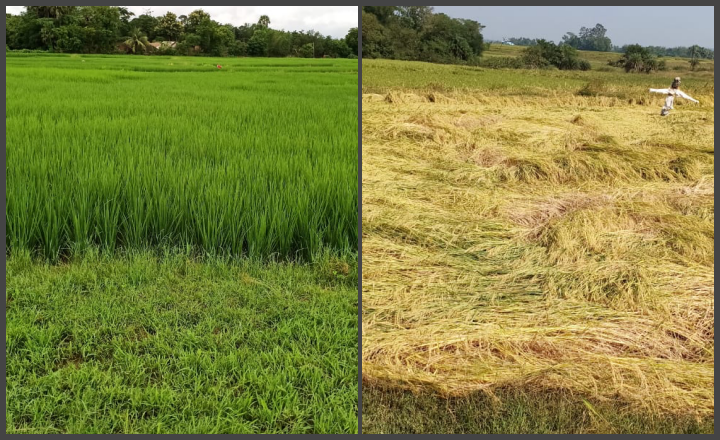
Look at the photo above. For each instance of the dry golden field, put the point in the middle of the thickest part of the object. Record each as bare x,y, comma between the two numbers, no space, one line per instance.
518,232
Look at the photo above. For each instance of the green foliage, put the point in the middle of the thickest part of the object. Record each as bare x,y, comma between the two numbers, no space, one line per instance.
351,40
238,161
137,42
147,24
589,39
637,59
194,20
104,29
238,48
416,33
546,54
695,53
258,44
264,21
169,27
171,344
306,51
682,52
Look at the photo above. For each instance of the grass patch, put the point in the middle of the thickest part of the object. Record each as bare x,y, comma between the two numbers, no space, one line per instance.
141,344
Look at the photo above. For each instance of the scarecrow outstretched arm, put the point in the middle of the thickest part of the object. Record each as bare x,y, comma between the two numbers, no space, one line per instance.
686,96
663,91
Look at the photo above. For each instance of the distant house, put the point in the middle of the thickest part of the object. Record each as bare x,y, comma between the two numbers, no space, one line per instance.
164,44
124,48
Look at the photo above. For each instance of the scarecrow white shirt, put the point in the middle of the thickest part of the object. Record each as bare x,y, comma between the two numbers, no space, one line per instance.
674,92
671,94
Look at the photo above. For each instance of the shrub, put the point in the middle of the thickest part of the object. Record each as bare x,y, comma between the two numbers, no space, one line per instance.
306,51
547,54
638,59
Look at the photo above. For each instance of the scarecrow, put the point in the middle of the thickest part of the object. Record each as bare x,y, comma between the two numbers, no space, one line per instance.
671,93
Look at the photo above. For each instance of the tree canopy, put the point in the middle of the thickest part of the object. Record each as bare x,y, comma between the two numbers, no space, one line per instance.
109,29
638,59
682,52
417,33
546,53
589,39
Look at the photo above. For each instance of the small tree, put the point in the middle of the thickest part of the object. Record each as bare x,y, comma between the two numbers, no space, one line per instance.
47,32
264,21
169,27
351,39
137,41
638,59
694,57
258,44
546,53
306,50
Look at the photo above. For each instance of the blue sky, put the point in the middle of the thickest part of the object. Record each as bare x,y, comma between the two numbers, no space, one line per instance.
668,26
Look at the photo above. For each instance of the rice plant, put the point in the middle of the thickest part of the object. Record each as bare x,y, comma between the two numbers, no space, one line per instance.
520,236
257,159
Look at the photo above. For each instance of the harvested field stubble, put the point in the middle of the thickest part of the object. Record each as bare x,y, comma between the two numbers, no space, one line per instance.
563,242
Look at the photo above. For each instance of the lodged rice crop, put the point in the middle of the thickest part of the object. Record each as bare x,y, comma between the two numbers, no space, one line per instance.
520,235
258,158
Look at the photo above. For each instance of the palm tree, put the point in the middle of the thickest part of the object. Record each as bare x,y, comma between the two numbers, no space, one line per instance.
47,34
264,21
137,40
54,12
634,62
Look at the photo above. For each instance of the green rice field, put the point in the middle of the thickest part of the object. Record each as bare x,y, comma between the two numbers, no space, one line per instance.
181,245
257,158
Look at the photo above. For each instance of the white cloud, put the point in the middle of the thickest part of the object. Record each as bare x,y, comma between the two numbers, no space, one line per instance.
328,20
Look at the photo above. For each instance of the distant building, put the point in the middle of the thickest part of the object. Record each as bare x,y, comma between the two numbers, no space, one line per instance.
164,44
123,47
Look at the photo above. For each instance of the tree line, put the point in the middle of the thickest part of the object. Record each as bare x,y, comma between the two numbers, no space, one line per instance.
417,33
595,39
109,29
694,51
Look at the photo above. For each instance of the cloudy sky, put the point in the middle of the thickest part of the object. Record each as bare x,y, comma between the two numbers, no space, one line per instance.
328,20
668,26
